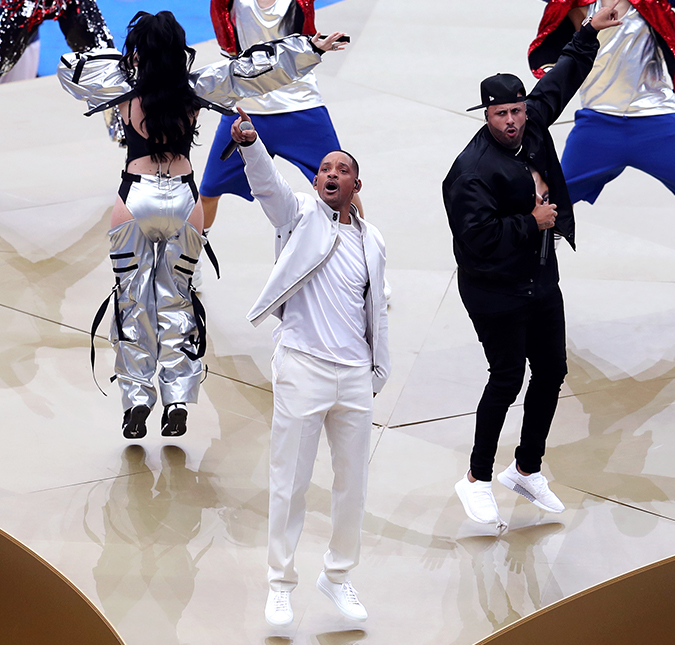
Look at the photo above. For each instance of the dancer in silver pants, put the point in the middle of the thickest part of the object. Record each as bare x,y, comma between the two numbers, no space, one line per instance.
159,321
153,257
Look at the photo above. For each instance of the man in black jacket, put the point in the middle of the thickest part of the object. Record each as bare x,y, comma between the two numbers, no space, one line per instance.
503,194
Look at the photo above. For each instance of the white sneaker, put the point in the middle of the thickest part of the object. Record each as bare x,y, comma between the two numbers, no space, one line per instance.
278,610
344,596
533,487
478,501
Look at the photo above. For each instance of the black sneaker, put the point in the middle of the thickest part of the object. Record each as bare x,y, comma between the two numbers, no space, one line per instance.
174,420
133,424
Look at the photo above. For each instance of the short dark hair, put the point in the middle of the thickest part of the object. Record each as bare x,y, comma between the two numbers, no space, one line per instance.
355,164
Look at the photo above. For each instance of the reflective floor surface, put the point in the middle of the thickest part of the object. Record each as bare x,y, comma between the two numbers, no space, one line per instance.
169,539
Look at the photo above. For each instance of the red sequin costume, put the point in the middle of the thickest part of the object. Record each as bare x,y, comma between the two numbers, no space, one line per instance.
80,20
555,31
221,15
609,135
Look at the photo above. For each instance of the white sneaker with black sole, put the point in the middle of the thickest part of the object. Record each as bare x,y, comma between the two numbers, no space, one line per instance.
532,487
278,610
344,596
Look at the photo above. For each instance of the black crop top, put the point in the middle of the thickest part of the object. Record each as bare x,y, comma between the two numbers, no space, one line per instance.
137,144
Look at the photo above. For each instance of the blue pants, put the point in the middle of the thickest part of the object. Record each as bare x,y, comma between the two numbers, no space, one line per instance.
600,146
304,138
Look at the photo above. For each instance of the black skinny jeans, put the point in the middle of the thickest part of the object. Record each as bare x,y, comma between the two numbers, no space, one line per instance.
536,333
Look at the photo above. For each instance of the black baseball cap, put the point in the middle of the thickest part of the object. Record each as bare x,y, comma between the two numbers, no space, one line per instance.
498,89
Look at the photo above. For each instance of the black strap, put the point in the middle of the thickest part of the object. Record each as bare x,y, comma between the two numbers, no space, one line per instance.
128,176
200,320
216,107
260,47
94,326
127,96
131,267
203,103
212,256
118,318
97,321
78,70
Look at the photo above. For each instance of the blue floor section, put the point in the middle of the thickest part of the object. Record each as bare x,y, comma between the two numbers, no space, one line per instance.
193,15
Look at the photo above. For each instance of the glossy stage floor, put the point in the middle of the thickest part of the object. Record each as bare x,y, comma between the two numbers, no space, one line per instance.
168,539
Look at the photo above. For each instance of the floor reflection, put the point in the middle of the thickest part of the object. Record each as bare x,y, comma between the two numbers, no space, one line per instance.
498,589
347,637
240,453
619,436
149,521
44,284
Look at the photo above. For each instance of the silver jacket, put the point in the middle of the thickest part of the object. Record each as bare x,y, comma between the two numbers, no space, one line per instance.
95,76
629,76
306,235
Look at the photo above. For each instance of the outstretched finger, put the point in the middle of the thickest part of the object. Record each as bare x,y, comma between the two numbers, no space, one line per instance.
242,115
613,13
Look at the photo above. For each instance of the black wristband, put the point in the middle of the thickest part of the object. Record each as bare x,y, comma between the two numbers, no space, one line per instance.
315,48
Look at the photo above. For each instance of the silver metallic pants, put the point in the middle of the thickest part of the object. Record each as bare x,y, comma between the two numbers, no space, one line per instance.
153,257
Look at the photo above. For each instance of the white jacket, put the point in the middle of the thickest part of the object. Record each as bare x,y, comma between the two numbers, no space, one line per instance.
306,230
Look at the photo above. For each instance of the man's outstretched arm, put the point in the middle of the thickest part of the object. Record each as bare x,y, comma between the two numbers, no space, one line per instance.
267,184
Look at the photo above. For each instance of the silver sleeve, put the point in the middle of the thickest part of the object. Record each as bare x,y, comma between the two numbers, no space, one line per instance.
263,68
94,77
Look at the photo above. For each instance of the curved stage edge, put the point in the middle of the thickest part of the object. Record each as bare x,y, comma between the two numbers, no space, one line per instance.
632,608
41,606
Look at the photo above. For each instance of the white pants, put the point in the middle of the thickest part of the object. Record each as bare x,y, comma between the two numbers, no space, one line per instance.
309,393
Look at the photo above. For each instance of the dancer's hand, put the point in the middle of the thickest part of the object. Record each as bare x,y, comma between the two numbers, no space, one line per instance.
606,17
329,43
246,136
545,214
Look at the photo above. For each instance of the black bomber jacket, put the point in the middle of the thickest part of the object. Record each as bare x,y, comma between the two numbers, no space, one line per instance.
489,193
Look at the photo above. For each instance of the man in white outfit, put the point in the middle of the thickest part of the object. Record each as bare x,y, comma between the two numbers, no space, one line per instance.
331,358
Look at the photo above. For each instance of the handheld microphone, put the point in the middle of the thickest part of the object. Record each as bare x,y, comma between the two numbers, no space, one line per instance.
232,146
543,255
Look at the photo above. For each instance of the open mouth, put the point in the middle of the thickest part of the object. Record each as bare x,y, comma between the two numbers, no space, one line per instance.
330,186
511,131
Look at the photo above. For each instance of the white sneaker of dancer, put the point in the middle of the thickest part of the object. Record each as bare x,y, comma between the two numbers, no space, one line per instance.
344,596
478,501
532,487
278,610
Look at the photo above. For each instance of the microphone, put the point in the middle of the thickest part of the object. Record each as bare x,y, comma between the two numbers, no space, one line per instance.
232,146
543,255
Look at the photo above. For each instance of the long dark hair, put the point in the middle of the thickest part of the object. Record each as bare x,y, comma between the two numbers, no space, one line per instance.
157,62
